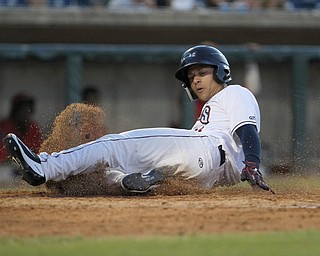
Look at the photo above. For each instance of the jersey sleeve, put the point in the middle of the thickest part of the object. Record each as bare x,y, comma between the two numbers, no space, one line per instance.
242,108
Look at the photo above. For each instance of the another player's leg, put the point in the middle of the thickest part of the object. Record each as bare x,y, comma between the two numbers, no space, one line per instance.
28,161
142,182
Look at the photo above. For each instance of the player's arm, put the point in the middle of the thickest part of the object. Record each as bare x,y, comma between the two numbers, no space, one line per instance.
251,145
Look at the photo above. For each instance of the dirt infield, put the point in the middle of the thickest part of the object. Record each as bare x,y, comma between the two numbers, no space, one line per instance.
27,212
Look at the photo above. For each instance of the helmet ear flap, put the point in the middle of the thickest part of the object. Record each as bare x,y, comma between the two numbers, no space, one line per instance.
215,75
221,76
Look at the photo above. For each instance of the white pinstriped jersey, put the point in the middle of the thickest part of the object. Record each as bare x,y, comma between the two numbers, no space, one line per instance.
226,111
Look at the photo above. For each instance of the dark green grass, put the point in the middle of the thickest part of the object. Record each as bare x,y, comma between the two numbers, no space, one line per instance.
275,243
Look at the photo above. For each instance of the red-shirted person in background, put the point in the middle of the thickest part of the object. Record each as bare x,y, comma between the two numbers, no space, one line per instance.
20,122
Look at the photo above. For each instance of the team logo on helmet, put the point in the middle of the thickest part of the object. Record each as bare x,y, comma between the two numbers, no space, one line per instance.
189,55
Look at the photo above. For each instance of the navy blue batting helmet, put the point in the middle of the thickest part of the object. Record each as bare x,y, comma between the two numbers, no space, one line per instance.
204,54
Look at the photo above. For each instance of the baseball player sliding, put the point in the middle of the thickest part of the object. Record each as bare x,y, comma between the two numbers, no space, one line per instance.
222,148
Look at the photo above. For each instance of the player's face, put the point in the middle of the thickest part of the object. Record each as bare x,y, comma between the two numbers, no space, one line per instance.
202,82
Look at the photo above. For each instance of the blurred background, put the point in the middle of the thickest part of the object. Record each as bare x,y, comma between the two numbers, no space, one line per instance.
123,54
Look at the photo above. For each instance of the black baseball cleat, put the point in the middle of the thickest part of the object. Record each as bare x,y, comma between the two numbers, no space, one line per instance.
28,161
141,183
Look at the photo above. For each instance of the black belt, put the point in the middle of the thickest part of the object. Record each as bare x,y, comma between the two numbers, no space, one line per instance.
222,155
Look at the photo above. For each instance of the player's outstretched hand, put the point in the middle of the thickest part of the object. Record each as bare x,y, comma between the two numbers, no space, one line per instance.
252,174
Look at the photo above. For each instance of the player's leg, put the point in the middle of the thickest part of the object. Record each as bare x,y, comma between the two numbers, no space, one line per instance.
137,151
37,169
117,151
